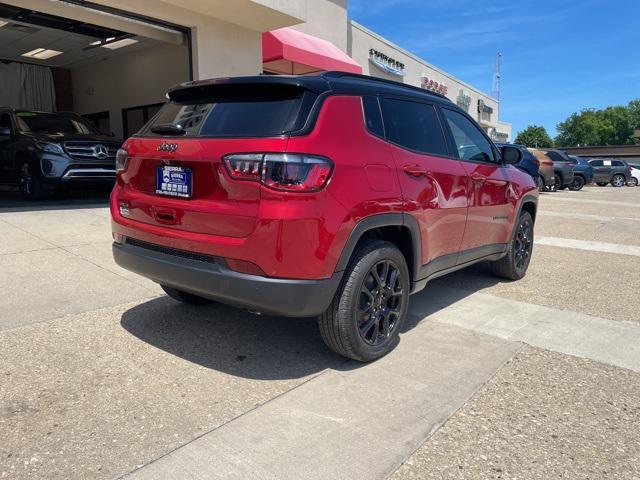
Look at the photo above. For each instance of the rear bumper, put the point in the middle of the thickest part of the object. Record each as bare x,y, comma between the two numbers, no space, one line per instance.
212,279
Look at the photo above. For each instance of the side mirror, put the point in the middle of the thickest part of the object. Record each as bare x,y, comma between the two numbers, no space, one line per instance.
510,155
5,132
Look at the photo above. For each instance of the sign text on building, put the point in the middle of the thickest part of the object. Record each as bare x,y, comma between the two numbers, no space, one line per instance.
386,63
432,85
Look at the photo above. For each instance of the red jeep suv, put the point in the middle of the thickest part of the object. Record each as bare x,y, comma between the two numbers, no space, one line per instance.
335,196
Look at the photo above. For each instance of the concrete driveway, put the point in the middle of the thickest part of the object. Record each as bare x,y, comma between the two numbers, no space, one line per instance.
102,376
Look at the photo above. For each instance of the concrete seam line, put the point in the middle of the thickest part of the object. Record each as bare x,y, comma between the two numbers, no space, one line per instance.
437,427
166,454
589,245
84,312
596,202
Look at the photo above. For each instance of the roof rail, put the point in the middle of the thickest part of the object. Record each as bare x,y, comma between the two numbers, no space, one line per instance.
358,76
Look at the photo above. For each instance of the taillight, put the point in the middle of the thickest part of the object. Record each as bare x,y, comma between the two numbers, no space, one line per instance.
122,158
281,171
536,161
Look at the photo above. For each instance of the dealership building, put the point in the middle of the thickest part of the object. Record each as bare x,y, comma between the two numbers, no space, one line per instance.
113,60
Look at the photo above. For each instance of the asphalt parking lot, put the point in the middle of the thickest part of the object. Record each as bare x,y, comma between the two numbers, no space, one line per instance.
102,376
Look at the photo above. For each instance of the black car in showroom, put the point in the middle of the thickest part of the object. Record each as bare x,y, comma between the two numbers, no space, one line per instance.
40,151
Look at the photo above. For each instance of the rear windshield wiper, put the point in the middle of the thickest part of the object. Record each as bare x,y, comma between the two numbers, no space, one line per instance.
168,129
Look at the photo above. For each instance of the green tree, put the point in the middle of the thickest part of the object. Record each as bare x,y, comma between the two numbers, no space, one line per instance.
534,136
608,126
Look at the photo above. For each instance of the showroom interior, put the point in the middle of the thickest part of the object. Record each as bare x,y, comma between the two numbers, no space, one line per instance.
114,70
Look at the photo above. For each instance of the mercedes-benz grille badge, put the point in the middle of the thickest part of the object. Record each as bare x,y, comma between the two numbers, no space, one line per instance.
100,151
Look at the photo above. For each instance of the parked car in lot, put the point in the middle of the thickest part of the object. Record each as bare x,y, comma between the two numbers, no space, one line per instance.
582,172
334,196
562,168
615,172
634,181
529,163
545,169
40,151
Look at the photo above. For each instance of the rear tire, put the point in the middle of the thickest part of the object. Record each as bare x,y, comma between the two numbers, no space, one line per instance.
618,180
367,313
514,265
633,182
540,183
184,297
558,182
577,184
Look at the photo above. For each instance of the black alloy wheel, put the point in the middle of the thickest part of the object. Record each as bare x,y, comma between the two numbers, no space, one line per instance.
540,183
26,181
523,245
557,180
577,184
364,320
618,180
380,303
514,264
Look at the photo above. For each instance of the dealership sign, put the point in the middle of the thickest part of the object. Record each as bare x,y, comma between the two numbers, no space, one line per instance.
432,85
484,108
463,101
385,63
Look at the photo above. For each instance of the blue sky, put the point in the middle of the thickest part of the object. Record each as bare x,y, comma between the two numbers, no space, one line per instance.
559,57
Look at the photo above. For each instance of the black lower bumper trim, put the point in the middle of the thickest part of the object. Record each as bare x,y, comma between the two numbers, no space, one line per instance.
291,298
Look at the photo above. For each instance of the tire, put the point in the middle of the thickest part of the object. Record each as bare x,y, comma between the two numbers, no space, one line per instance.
514,265
184,297
601,184
367,313
618,180
30,184
540,183
558,182
633,182
577,184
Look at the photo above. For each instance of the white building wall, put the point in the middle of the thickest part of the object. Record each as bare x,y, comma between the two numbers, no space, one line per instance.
361,40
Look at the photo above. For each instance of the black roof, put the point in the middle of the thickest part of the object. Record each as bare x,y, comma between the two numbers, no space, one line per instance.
333,82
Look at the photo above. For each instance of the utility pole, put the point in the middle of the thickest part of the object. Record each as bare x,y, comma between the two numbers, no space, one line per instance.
497,67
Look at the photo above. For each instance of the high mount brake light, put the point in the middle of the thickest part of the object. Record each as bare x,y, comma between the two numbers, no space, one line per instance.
281,171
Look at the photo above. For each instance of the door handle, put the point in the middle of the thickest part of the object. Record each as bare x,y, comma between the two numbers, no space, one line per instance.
415,171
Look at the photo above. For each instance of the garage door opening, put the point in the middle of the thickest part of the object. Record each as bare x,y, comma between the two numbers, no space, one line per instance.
114,72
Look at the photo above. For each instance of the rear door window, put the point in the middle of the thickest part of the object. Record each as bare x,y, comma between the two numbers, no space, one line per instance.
414,126
595,163
617,163
236,111
470,143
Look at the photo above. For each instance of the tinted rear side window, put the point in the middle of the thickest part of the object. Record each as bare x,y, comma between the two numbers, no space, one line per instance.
596,163
555,156
414,126
241,111
617,163
372,115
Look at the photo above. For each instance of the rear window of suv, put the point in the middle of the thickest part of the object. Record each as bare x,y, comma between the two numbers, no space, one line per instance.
236,111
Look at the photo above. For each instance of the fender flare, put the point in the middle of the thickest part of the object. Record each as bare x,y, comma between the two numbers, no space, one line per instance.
383,220
533,199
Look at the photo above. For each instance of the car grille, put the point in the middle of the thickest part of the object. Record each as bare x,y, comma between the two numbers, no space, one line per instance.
91,150
200,257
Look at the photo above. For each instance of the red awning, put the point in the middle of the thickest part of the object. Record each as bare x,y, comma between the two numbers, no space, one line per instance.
292,52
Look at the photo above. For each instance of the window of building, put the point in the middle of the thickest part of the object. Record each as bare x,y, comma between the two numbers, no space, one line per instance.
133,119
101,121
471,144
414,126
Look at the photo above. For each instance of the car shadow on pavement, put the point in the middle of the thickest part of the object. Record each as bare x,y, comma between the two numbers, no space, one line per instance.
264,347
232,340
